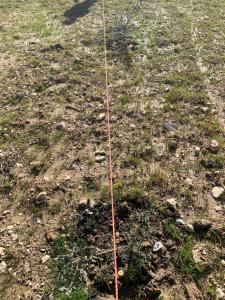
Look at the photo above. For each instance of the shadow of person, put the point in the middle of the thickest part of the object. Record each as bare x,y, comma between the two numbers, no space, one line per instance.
77,11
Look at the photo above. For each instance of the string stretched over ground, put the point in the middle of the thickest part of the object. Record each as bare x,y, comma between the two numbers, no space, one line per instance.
108,125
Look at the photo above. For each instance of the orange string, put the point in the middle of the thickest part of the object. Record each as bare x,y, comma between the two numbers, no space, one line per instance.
110,154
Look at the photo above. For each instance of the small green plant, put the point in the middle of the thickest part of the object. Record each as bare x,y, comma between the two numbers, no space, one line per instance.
172,230
131,161
185,261
180,94
157,178
79,293
59,246
211,292
57,136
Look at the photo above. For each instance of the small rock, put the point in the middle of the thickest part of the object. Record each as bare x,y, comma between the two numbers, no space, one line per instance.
41,198
6,212
217,192
197,151
170,126
157,246
205,109
220,294
14,236
100,153
180,222
2,253
101,117
223,262
3,267
132,126
145,245
45,258
50,236
60,126
218,208
172,203
189,228
113,119
214,146
120,273
100,158
189,181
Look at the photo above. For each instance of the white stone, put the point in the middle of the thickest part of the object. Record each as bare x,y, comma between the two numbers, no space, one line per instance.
220,294
101,117
3,267
2,253
172,202
157,246
214,144
180,222
45,258
189,228
100,158
217,192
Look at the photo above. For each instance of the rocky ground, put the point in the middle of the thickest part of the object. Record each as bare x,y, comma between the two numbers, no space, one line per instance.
166,74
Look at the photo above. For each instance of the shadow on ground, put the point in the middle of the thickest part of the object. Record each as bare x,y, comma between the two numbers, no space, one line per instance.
78,10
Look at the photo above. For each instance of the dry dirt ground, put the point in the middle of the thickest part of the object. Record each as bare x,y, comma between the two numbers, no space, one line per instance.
166,73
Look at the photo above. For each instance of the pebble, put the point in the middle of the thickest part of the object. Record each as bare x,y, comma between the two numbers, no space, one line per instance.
220,294
50,236
157,246
41,198
172,202
189,228
132,126
197,150
101,117
2,253
100,158
60,126
223,262
3,267
214,146
171,126
217,192
14,236
205,109
180,222
218,208
45,258
120,273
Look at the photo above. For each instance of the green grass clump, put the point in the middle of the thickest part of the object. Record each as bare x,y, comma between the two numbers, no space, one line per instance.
184,79
80,293
158,179
180,94
130,161
185,261
172,230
